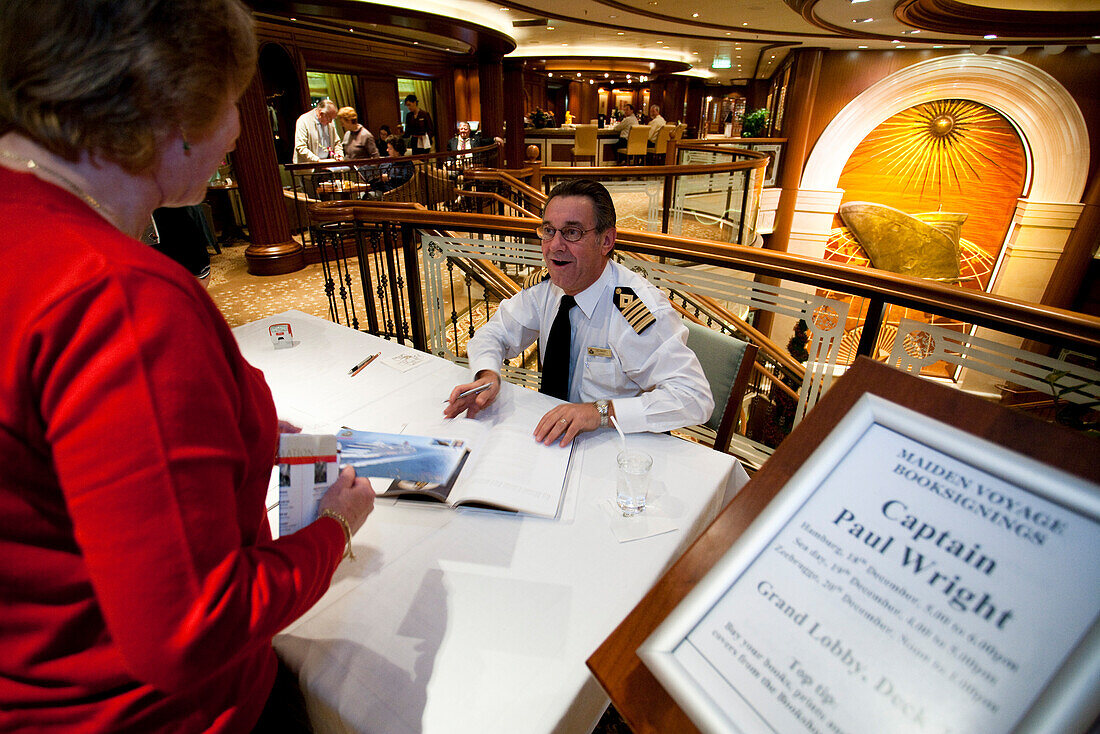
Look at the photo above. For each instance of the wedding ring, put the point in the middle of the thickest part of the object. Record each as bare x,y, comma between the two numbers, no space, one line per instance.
563,421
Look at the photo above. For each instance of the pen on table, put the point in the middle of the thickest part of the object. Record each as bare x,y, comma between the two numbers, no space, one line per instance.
359,367
473,391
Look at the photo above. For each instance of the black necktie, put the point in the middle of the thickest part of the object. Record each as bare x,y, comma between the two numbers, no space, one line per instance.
555,363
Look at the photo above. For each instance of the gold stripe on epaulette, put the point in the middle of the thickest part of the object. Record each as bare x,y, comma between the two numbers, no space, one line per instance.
536,277
638,316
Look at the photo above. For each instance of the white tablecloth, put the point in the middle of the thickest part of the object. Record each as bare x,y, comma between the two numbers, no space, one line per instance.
469,620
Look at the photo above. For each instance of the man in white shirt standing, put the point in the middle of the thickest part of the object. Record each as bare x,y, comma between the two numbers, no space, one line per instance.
626,351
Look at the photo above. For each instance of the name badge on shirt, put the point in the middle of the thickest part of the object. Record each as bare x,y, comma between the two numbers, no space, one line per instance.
599,352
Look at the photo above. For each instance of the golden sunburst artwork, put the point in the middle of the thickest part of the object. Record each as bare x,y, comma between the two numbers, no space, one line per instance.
942,144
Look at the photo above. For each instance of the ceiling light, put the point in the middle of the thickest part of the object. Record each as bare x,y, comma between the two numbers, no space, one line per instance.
937,47
694,15
989,36
612,16
416,43
853,2
773,57
745,23
606,75
899,46
565,44
293,20
913,32
727,32
620,33
862,20
351,30
895,41
504,10
862,47
549,27
549,73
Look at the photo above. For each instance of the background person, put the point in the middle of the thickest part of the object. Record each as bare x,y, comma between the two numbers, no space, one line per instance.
656,122
419,128
392,174
623,128
141,587
316,140
628,349
357,142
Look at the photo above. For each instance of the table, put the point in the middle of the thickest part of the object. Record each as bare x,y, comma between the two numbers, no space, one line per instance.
468,620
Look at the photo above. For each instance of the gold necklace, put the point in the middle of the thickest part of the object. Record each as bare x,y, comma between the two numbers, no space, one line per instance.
35,167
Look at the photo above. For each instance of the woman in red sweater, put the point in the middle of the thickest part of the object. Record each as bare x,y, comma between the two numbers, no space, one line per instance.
139,584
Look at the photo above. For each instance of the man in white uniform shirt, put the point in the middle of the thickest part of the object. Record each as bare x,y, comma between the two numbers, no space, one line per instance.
628,354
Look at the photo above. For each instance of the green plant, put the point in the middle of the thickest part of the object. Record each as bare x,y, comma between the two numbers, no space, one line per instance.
752,124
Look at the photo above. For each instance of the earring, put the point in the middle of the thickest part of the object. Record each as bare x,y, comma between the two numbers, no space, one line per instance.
186,147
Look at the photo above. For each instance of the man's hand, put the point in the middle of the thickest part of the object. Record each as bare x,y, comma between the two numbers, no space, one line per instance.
477,402
566,422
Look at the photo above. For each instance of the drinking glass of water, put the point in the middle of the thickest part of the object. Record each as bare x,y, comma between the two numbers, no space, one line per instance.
633,481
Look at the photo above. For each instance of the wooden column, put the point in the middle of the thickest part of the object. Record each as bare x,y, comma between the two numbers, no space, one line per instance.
1065,282
490,90
800,106
510,98
272,251
799,114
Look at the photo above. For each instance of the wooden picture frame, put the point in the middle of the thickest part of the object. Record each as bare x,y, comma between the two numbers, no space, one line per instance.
647,706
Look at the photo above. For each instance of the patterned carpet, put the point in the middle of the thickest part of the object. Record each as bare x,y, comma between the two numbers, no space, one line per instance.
243,298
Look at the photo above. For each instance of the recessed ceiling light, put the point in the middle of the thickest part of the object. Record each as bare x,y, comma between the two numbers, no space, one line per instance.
694,15
895,41
862,47
293,20
578,73
351,30
937,47
549,73
899,46
727,32
504,10
416,43
565,44
745,23
862,20
913,32
606,75
989,36
549,27
773,57
853,2
620,33
612,16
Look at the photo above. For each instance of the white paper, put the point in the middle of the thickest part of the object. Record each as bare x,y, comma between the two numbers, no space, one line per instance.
304,475
910,590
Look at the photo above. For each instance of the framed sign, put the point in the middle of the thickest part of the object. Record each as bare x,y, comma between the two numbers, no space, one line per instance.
908,576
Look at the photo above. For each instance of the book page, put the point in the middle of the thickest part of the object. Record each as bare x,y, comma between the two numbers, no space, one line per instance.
510,469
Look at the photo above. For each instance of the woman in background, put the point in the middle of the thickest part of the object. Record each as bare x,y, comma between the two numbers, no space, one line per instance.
358,142
139,583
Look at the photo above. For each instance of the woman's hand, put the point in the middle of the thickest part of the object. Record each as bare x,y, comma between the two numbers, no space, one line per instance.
288,427
351,497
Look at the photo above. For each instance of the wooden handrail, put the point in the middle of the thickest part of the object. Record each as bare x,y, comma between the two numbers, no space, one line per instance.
325,164
1031,320
497,197
491,174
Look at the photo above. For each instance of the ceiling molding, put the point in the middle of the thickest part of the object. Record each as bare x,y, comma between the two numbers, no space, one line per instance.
953,16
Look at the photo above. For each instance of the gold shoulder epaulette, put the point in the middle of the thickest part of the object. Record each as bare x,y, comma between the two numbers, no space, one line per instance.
633,310
536,277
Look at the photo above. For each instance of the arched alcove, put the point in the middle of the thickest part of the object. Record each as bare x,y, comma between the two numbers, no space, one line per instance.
282,94
1047,117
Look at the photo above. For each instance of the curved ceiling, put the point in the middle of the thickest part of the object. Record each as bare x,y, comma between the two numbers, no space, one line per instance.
716,39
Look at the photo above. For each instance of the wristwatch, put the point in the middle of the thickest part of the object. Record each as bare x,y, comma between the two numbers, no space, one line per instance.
602,408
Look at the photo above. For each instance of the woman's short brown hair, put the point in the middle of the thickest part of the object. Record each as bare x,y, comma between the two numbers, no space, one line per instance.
347,114
114,78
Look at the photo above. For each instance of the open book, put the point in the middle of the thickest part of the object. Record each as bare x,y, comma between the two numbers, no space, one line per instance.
500,467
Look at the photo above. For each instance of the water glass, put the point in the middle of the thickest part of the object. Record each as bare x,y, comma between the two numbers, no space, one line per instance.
633,481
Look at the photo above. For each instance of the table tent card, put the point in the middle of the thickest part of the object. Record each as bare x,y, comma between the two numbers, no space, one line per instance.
910,577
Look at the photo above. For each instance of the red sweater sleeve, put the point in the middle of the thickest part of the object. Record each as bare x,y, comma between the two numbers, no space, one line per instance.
163,439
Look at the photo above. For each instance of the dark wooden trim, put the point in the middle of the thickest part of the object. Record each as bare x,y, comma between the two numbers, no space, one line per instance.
639,698
952,16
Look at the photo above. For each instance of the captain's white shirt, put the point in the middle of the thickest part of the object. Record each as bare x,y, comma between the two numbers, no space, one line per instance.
655,381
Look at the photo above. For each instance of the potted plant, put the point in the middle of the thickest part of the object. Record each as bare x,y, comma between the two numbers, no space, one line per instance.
752,124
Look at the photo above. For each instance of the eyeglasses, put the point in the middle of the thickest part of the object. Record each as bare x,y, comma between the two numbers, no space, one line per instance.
569,234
